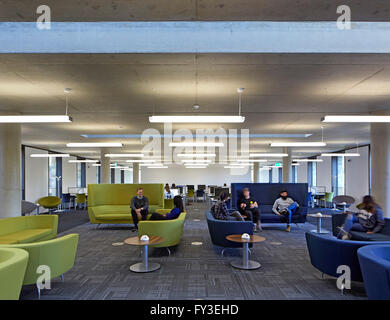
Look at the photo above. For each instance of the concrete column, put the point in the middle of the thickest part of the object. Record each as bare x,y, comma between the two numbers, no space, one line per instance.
136,173
380,165
256,175
105,167
287,168
10,162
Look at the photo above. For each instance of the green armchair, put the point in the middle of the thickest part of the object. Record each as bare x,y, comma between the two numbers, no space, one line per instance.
49,202
13,263
59,254
170,230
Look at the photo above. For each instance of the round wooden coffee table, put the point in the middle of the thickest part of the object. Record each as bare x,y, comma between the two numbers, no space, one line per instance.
144,266
245,264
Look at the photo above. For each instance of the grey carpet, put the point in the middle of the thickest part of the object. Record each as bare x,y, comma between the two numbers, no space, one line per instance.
102,271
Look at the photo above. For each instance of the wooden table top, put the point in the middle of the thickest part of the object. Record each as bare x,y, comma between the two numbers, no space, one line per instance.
135,241
314,215
237,238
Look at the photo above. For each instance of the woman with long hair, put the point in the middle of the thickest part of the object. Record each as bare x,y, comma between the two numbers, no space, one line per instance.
369,219
173,214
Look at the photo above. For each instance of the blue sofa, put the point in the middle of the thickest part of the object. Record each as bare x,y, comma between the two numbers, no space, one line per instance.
327,253
267,193
375,264
339,219
219,229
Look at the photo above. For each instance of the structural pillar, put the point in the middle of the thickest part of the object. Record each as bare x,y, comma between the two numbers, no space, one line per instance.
136,173
256,175
287,168
10,161
380,165
105,166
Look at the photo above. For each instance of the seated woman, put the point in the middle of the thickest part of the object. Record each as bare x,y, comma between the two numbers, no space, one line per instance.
370,219
221,212
173,214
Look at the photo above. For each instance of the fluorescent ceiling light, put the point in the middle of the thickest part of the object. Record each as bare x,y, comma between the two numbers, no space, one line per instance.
197,119
196,144
308,160
197,160
196,167
150,164
298,144
125,155
356,119
250,160
96,165
295,164
35,119
157,167
93,144
265,168
49,155
83,161
240,164
196,155
269,155
340,154
276,166
141,161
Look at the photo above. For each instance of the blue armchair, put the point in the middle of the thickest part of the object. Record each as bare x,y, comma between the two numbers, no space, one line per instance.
219,229
375,264
327,253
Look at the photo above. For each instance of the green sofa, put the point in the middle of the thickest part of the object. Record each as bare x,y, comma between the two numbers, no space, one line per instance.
170,230
13,263
58,254
28,229
110,203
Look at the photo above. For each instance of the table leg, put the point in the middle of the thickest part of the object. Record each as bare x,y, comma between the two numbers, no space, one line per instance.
246,264
245,255
319,226
145,266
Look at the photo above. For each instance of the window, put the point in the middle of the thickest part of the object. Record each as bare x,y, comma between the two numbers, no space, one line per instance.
53,185
340,176
78,169
98,174
294,173
314,174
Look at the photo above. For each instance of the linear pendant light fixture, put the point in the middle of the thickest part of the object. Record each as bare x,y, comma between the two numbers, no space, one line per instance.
356,119
308,160
49,155
298,144
196,144
83,161
340,154
196,155
125,155
269,155
94,144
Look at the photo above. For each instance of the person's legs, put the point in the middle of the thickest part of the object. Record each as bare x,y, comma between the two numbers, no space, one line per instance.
358,227
236,216
350,221
248,215
144,214
256,217
135,218
157,216
290,211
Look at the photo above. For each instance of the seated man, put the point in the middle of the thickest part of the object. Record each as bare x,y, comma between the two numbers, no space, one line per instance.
249,209
167,192
139,207
221,212
285,206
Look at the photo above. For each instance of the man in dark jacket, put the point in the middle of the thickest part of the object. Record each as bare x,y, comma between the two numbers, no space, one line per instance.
139,207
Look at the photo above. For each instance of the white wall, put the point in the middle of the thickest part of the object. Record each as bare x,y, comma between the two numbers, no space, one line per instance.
69,174
264,176
36,175
118,175
357,174
275,175
324,173
128,176
214,175
302,172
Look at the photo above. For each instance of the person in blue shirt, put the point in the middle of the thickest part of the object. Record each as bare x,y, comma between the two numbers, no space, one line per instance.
173,214
370,219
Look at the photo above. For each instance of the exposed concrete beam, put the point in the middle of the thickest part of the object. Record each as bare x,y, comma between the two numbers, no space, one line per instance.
194,37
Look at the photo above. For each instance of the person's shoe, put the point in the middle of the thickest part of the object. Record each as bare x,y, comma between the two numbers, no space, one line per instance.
288,228
346,236
341,233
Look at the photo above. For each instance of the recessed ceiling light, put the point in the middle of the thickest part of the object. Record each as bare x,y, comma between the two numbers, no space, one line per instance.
93,144
269,155
340,154
83,161
49,155
308,160
35,119
196,106
359,118
141,161
157,167
298,144
196,167
196,119
196,160
196,144
125,155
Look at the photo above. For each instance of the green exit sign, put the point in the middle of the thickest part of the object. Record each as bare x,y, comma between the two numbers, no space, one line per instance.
278,164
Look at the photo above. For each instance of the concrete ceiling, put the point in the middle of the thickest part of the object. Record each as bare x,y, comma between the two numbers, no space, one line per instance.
188,10
115,94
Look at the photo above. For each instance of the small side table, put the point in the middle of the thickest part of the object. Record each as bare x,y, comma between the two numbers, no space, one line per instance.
319,222
144,266
246,264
